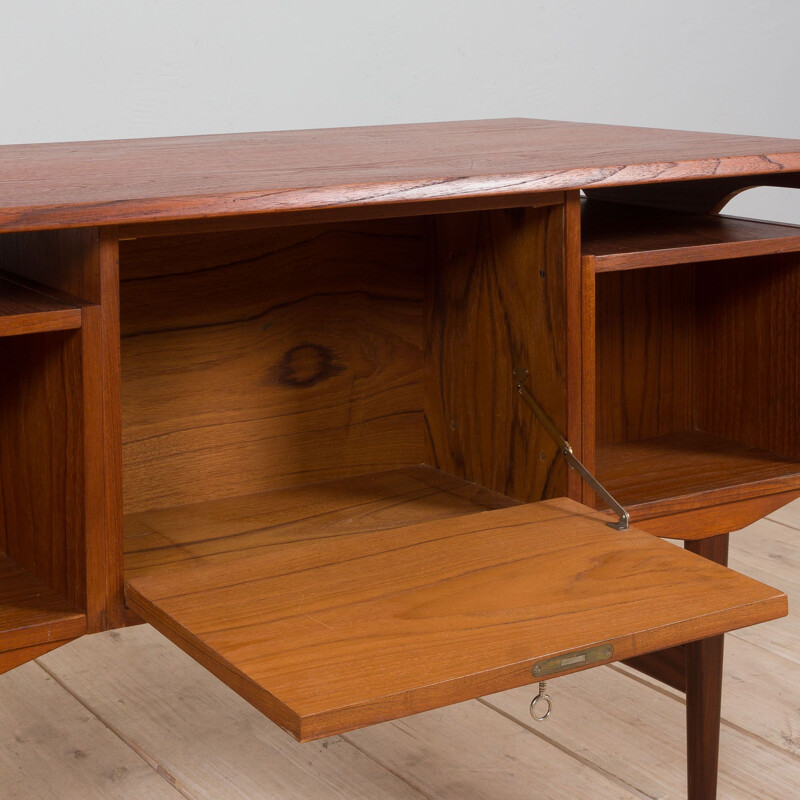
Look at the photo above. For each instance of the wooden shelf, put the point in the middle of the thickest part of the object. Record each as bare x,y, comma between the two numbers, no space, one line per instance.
27,310
221,530
689,470
620,237
32,614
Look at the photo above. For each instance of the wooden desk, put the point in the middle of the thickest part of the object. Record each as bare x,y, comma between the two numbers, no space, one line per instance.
259,390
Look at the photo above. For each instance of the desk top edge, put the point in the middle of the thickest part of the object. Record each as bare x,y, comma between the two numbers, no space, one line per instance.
65,185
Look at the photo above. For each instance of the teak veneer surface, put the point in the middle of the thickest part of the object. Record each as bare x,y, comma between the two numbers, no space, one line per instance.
31,614
257,360
626,237
327,634
89,183
220,530
691,469
23,310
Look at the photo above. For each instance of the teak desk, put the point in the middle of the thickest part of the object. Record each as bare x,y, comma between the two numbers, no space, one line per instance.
294,398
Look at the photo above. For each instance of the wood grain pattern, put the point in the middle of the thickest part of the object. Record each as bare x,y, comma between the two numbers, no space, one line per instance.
72,185
222,530
645,354
689,469
81,266
748,330
23,310
682,422
709,520
105,447
496,301
265,359
628,237
32,614
574,303
338,633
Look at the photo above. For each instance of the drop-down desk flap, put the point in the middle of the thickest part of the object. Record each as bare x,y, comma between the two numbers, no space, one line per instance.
330,633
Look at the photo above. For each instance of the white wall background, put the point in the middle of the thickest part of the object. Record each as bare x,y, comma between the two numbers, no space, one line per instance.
98,69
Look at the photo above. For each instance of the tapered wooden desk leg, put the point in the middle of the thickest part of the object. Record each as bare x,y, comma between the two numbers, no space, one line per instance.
704,693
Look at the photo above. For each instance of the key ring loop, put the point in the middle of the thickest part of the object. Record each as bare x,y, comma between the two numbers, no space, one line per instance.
542,697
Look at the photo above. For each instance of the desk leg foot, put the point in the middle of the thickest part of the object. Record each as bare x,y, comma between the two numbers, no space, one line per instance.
704,693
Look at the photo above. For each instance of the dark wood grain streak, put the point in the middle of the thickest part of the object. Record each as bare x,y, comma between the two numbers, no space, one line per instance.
497,300
133,181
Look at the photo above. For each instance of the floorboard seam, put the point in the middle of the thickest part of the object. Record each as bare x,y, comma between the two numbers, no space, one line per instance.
783,524
382,765
635,791
157,767
726,722
791,659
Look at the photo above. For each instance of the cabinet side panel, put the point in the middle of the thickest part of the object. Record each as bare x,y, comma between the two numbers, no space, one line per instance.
496,300
749,339
83,263
264,359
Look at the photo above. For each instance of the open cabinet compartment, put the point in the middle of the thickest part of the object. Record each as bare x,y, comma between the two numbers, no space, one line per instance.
42,568
697,371
334,497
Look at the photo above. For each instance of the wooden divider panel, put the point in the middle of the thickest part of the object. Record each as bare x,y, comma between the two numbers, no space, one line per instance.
496,301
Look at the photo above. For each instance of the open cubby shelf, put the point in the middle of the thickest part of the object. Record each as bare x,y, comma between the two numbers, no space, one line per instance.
24,310
31,613
617,236
42,526
696,338
694,466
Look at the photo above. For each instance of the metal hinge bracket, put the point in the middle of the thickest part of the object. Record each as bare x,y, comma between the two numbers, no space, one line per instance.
520,376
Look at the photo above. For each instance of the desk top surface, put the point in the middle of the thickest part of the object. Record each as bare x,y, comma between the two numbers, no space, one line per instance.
141,180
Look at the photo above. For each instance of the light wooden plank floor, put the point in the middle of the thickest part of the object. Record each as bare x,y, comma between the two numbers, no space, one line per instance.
127,715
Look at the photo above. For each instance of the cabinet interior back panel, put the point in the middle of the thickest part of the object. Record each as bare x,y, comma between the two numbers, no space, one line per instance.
256,360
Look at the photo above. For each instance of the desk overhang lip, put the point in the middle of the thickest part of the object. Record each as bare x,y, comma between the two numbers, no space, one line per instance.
105,204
